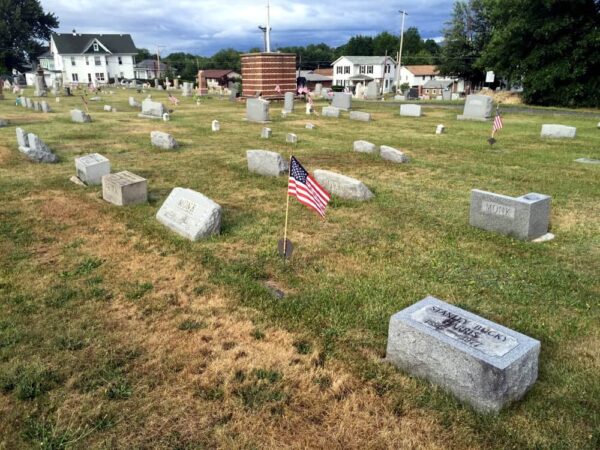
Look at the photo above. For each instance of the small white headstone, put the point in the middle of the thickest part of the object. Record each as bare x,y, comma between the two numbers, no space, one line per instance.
190,214
216,126
91,168
440,129
124,188
291,138
266,133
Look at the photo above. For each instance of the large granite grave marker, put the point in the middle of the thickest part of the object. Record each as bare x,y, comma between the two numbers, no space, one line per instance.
264,162
330,111
343,186
190,214
360,116
288,102
163,140
410,110
91,168
372,90
526,217
124,188
257,110
364,147
558,131
392,154
481,362
79,116
152,110
477,107
341,100
34,148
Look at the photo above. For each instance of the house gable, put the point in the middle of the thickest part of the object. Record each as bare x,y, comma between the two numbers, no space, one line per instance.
96,47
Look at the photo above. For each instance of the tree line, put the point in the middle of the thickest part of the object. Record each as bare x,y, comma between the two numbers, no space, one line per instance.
549,47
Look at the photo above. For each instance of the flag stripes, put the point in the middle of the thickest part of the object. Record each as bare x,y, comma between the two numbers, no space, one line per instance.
306,189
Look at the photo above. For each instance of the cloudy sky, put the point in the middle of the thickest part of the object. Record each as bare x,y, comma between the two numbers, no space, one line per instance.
205,26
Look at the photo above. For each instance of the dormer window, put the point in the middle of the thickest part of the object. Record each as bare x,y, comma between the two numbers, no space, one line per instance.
95,47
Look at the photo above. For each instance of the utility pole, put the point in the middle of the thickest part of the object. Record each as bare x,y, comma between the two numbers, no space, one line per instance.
404,13
268,27
158,47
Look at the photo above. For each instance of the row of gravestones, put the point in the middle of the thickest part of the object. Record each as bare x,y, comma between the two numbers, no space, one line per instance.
26,102
497,365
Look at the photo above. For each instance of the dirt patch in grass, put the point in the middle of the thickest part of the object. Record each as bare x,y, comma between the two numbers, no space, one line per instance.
207,376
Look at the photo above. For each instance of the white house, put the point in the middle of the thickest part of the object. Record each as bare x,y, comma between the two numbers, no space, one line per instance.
350,70
90,58
417,76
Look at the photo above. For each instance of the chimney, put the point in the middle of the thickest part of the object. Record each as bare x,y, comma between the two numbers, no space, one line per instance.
74,32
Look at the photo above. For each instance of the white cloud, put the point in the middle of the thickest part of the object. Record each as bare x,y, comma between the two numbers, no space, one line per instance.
206,26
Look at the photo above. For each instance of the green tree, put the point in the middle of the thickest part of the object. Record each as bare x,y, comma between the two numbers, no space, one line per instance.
386,44
465,37
228,58
142,54
357,46
23,26
552,46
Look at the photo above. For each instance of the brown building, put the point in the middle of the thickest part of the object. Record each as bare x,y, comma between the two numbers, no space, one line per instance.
263,72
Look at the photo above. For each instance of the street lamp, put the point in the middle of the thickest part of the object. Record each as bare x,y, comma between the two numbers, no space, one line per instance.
404,13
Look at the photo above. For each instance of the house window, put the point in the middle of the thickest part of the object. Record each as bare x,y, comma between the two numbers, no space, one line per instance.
121,75
74,77
87,61
369,69
346,69
338,70
95,47
363,69
89,77
72,60
388,68
120,60
97,61
100,76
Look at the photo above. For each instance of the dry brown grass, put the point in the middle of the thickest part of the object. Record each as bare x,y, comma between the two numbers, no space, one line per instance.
181,367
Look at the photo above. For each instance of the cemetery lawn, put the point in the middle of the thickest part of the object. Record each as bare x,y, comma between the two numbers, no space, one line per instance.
116,333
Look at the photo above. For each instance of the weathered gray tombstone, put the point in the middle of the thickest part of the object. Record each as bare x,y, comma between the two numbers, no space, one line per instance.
216,125
330,111
233,94
341,100
33,147
23,102
360,116
257,110
482,363
3,123
410,110
526,217
310,126
343,186
364,147
152,110
163,140
392,154
107,108
79,116
45,107
558,131
373,90
325,93
318,88
288,102
264,162
134,103
190,214
91,168
41,90
29,102
440,129
446,95
187,89
36,106
291,138
124,188
477,107
266,133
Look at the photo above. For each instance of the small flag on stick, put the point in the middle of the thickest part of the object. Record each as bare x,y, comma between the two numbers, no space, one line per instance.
497,125
306,189
308,192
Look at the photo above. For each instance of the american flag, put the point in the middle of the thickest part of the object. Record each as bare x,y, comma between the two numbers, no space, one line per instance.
304,187
497,122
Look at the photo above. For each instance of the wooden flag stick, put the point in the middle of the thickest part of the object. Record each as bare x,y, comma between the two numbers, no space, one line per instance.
287,211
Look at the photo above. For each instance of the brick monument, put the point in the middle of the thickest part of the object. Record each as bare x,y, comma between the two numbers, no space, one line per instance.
263,72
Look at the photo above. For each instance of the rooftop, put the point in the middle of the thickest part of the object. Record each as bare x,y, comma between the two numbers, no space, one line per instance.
421,70
74,43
